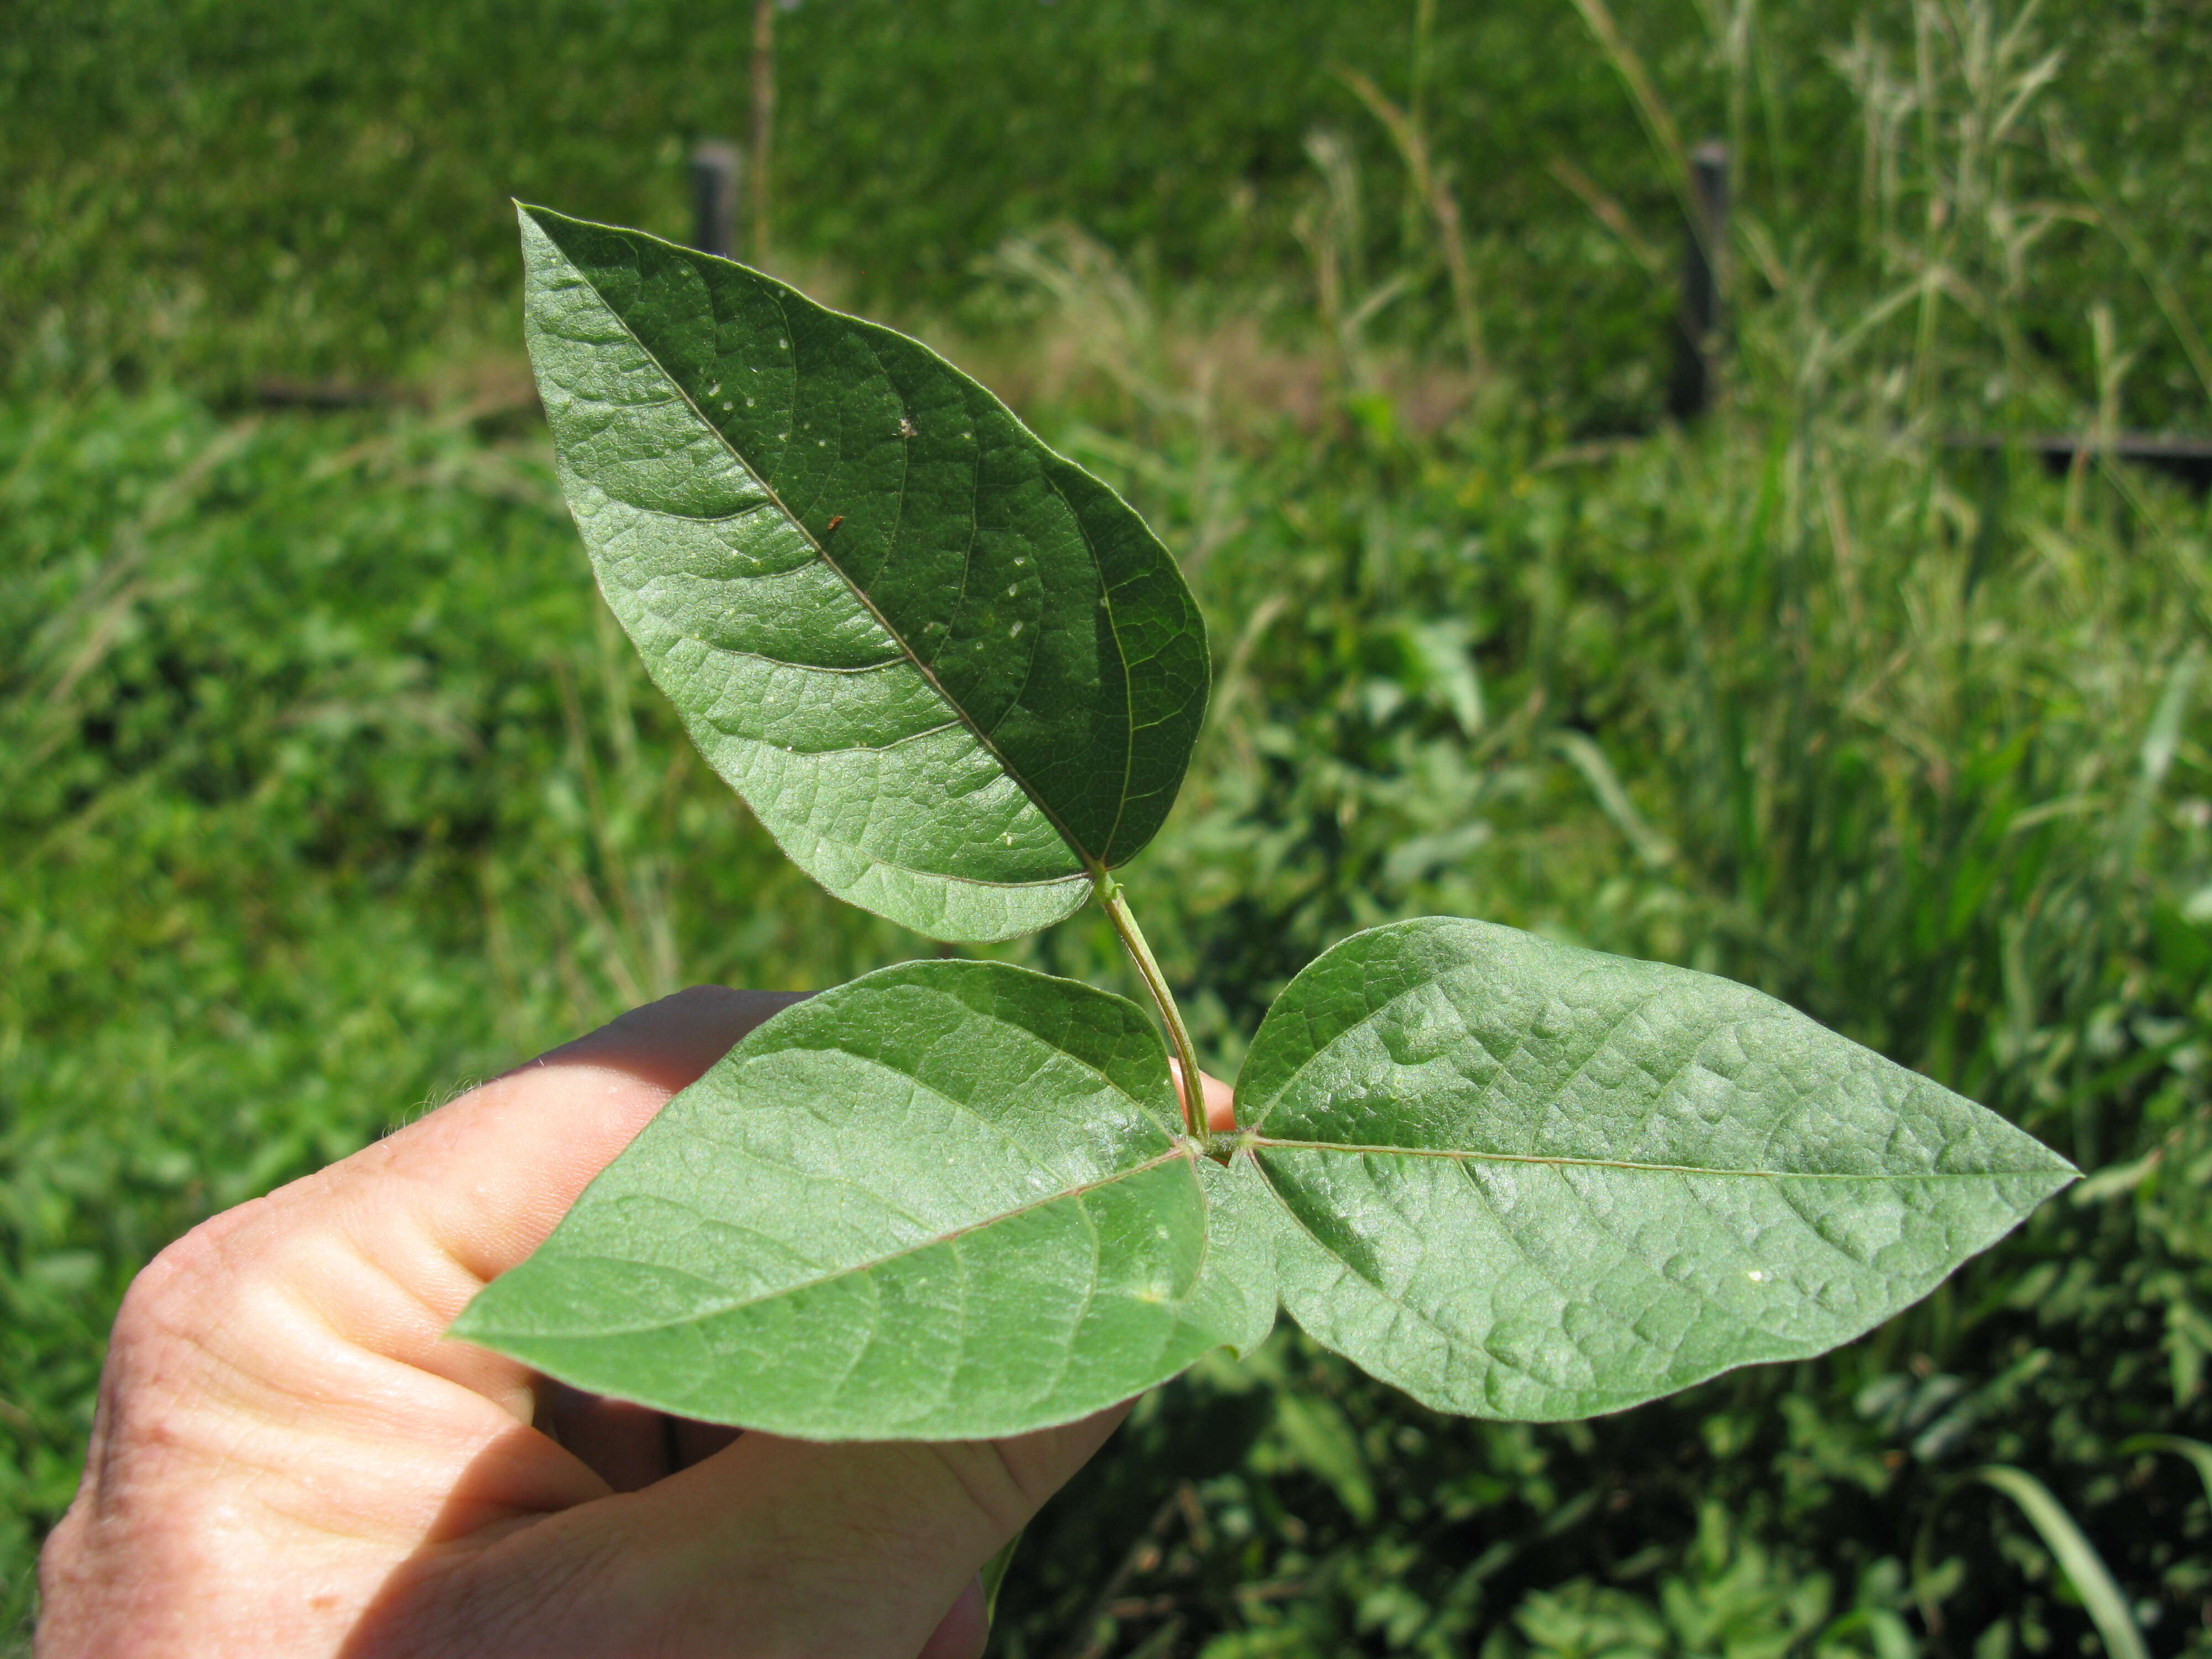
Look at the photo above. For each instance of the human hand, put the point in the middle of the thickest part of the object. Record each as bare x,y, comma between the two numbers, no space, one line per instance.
290,1458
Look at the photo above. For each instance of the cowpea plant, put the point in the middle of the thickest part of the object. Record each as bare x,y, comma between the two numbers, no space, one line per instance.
959,681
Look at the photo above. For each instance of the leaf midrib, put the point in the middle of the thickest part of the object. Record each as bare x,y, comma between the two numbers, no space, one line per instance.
821,552
1262,1143
1128,690
1492,1358
738,1304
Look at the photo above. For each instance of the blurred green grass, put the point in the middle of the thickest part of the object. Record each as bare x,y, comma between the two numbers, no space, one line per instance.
223,191
326,786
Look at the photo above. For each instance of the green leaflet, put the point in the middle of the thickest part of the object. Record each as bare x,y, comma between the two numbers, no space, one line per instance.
946,1201
1522,1180
950,670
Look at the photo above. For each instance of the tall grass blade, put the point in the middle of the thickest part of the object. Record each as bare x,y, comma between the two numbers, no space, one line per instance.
1434,189
1612,798
2196,1451
2077,1557
1650,108
993,1576
2107,206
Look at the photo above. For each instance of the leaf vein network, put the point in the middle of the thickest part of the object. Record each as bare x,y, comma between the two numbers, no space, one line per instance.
1128,681
823,553
736,1303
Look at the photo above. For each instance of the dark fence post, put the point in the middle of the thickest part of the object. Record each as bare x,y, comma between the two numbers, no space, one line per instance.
714,196
1698,325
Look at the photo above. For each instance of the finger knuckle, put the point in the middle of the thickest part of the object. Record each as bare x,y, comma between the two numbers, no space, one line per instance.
181,1292
995,1484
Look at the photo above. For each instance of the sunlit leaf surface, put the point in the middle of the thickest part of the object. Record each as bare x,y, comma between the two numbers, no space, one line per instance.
946,1201
949,669
1522,1180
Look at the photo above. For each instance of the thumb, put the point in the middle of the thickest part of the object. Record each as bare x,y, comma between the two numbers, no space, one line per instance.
449,1203
769,1545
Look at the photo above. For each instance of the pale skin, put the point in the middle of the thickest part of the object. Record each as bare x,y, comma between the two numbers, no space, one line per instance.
291,1460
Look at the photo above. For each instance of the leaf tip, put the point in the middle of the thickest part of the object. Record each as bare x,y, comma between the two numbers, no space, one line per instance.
468,1324
479,1323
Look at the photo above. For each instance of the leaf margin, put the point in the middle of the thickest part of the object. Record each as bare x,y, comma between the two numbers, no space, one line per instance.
1220,1301
1055,898
1297,1244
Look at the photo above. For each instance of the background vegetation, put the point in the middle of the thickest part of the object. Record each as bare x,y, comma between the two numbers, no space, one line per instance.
326,786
